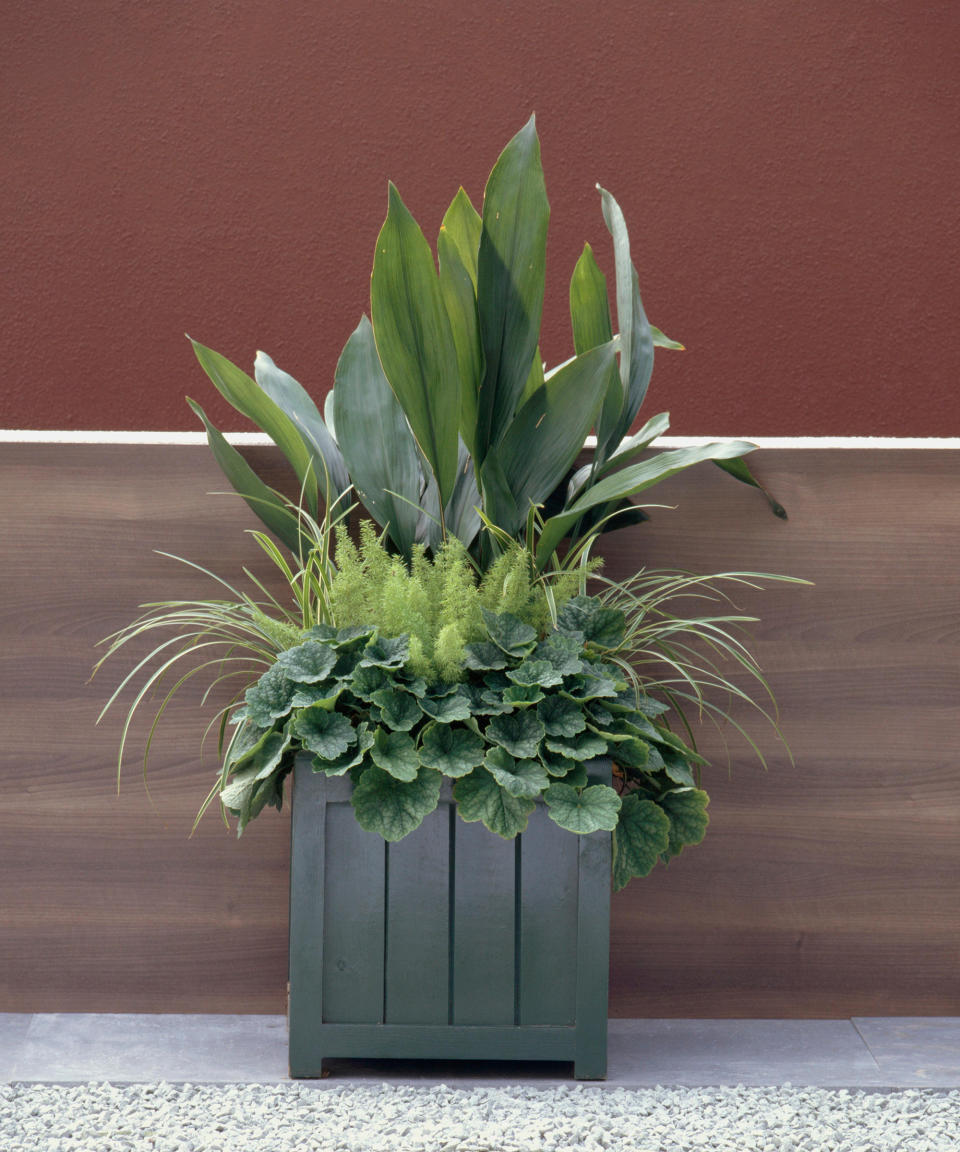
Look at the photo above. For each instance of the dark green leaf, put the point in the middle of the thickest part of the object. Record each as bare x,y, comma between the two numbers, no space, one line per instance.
558,765
532,671
509,633
460,300
589,810
414,340
522,695
398,710
396,753
741,472
687,811
586,686
480,797
349,759
454,751
640,837
447,709
561,717
386,652
391,808
270,698
590,317
326,734
483,656
516,777
308,663
584,746
462,224
510,281
520,733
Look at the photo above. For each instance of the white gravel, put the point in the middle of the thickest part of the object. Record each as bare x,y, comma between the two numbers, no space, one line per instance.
276,1118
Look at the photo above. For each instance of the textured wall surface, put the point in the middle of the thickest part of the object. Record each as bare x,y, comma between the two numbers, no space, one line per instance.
789,173
827,887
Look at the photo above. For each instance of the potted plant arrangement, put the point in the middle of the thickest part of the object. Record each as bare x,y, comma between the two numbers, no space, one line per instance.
480,726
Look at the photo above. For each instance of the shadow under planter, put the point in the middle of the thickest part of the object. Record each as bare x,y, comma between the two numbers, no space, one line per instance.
449,944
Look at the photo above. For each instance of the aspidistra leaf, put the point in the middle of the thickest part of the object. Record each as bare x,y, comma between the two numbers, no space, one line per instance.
414,340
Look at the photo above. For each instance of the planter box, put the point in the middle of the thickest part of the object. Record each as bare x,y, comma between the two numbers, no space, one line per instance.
451,943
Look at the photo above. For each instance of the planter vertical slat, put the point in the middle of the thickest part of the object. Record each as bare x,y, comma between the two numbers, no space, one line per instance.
450,943
353,908
484,930
418,925
548,922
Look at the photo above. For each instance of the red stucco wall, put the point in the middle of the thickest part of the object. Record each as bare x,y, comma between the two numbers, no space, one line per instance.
789,172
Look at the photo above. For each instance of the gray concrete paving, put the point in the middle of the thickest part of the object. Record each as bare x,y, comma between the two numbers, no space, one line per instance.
878,1053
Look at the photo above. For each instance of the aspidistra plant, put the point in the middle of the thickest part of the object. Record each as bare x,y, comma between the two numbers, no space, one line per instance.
442,417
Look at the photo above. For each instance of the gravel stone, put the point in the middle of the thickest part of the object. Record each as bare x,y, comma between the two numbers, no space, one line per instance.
103,1117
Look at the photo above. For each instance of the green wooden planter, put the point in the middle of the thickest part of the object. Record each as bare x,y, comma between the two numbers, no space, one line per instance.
451,943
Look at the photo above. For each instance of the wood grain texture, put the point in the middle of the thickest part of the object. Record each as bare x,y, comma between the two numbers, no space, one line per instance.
824,888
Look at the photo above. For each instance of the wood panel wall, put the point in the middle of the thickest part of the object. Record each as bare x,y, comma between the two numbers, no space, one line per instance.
826,887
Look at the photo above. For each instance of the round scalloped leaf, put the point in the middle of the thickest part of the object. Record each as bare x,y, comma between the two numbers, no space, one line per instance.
454,751
244,742
308,663
386,652
350,759
586,616
589,810
641,836
366,681
269,699
354,636
326,734
587,686
650,707
396,753
398,710
447,709
560,716
632,752
480,797
393,808
583,746
675,766
522,695
535,672
509,633
520,733
482,656
517,777
557,765
687,811
563,652
325,693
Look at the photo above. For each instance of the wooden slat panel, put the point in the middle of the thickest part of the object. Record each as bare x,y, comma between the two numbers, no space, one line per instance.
353,938
483,931
418,924
548,923
824,889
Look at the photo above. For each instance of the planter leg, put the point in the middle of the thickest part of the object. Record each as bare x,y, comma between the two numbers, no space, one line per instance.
590,1062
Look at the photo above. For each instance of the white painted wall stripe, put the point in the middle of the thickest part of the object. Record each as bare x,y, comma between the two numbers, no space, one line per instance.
44,436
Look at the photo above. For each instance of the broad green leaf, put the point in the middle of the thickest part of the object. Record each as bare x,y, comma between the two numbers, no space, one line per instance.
559,765
386,652
270,698
480,797
586,616
246,795
349,759
522,695
398,710
589,810
376,441
535,378
293,400
563,652
447,709
543,440
632,752
641,835
460,300
676,768
462,225
264,501
396,753
629,482
325,734
366,680
244,742
741,472
539,672
461,515
590,318
633,446
414,340
308,663
561,717
251,401
392,808
519,732
516,777
687,811
265,755
587,686
509,633
510,281
454,751
636,339
583,746
483,656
